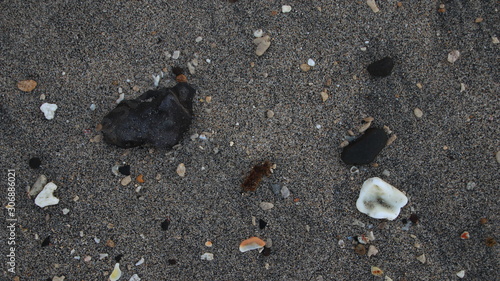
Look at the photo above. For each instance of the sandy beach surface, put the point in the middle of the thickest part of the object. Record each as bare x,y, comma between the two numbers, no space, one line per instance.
443,111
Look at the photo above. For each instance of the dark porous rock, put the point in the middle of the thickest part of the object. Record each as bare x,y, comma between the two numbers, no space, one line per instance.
381,68
157,117
364,149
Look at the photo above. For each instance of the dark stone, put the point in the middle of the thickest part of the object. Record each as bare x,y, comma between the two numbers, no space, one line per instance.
35,163
124,170
414,218
381,68
172,261
157,117
165,224
266,252
119,258
262,224
46,242
364,149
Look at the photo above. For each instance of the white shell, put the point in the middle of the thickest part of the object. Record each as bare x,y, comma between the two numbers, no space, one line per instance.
207,256
116,274
49,110
46,197
286,8
380,200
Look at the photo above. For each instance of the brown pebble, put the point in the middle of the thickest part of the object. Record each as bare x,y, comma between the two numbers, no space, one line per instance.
136,88
478,20
26,85
360,249
490,242
305,67
110,243
98,127
391,140
328,82
483,221
181,78
400,4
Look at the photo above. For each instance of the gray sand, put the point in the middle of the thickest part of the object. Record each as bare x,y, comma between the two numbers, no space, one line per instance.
82,52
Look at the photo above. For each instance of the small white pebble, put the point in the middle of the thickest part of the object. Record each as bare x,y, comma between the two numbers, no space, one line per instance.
208,60
176,55
77,257
461,274
341,243
198,39
495,40
156,80
207,256
103,256
318,126
363,49
92,107
128,80
120,98
49,110
258,33
97,240
311,62
87,258
65,211
471,185
81,233
286,8
285,192
231,143
72,251
386,173
141,261
266,206
42,97
63,73
120,90
418,113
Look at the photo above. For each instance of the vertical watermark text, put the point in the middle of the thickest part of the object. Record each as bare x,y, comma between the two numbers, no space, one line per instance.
11,220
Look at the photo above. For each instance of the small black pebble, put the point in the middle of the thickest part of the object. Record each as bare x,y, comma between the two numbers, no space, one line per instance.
172,261
165,224
414,218
364,149
119,258
124,170
177,70
35,163
46,242
266,252
405,221
262,224
381,68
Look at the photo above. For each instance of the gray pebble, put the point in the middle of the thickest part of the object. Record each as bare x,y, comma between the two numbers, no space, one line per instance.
270,114
285,192
276,188
471,185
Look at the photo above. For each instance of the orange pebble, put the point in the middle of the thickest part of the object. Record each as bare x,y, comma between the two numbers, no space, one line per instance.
181,78
140,178
296,200
465,235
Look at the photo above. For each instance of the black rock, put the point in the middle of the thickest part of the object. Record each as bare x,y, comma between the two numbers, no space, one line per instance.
119,258
364,149
262,223
124,170
46,242
381,68
157,117
165,224
35,163
172,261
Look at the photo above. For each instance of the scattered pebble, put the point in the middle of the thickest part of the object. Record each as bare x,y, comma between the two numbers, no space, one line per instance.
381,68
208,99
364,149
208,244
497,156
341,243
198,39
141,261
65,211
490,242
276,188
364,127
181,170
49,110
120,98
462,87
176,55
372,251
305,67
27,85
465,235
156,80
471,185
46,196
57,278
126,180
140,178
373,5
103,256
461,274
124,170
266,206
252,243
453,56
35,163
495,40
269,243
270,114
116,274
377,271
380,200
40,182
311,62
286,8
262,224
87,258
110,243
391,140
422,258
285,192
360,249
165,224
442,8
418,113
419,85
386,173
135,277
258,33
324,95
263,44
